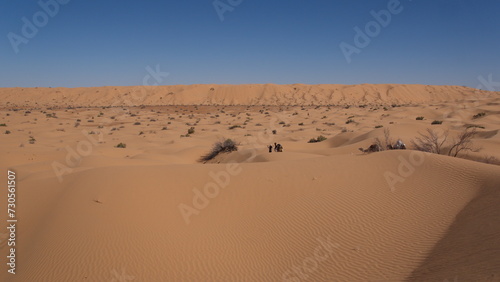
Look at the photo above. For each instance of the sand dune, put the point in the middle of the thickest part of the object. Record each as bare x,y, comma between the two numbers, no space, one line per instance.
324,211
250,94
129,217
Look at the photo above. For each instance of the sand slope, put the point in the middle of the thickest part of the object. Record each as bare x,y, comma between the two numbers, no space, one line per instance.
251,94
265,222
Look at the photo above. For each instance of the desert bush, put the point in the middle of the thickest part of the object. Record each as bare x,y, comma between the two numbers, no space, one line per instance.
349,121
463,142
225,146
383,145
32,140
482,114
420,118
3,124
430,142
235,126
274,131
190,130
320,138
7,131
379,126
437,122
121,145
137,123
475,126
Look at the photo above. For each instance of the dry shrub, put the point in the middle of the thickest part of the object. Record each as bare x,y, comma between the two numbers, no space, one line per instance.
225,146
431,142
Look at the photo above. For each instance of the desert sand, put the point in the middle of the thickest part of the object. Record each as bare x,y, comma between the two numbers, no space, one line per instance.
90,211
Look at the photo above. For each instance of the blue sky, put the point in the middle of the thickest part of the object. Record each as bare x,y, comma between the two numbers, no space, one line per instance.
98,43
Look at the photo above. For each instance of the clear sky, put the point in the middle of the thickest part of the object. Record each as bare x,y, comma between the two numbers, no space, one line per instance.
98,42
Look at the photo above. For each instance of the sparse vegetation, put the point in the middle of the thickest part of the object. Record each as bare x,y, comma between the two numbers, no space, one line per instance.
121,145
235,126
382,146
219,147
482,114
190,131
3,124
437,122
379,126
490,160
349,121
475,126
463,142
420,118
431,142
7,131
320,138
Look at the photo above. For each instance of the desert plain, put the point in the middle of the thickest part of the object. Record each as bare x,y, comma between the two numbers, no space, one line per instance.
110,186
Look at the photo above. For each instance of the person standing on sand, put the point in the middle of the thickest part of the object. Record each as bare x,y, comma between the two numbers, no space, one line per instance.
270,148
275,147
